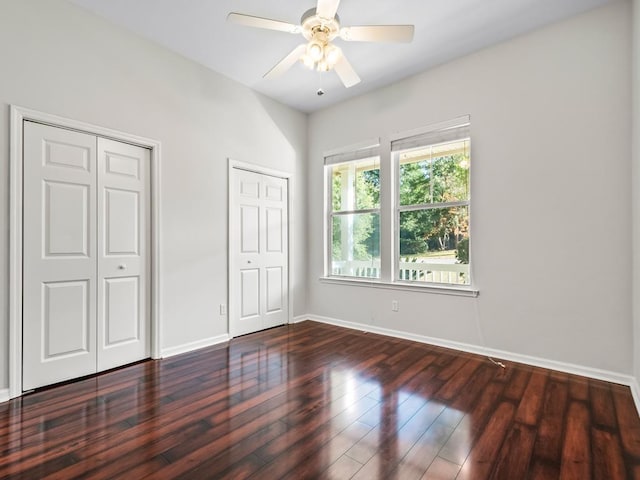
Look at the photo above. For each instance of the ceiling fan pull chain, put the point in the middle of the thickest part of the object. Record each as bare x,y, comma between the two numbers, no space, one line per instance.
320,91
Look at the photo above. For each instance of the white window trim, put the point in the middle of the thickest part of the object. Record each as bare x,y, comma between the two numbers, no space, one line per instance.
364,153
389,240
429,129
350,149
458,124
437,288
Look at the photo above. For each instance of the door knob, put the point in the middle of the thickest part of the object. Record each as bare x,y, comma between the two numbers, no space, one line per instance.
122,266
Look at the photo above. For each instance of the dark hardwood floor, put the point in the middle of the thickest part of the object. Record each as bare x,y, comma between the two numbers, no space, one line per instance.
317,401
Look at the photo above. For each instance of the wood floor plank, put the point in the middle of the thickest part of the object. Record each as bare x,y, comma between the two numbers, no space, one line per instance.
395,443
548,446
532,399
579,388
602,409
418,460
468,394
441,469
576,452
481,459
467,430
318,401
517,383
541,470
342,469
514,458
608,461
455,384
628,421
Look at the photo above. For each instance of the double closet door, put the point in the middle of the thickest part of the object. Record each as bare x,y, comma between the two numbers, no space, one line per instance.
86,252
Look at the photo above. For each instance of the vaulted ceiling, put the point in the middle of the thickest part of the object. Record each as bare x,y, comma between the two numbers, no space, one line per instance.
444,30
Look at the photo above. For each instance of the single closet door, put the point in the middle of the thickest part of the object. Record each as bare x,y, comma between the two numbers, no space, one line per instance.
123,254
78,313
259,275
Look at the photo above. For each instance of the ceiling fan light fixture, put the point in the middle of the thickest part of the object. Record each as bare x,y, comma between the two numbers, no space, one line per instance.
332,55
308,61
315,51
323,66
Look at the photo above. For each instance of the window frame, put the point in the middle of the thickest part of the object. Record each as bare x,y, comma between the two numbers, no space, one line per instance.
398,208
369,149
389,209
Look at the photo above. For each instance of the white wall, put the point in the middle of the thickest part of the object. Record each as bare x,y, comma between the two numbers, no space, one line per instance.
62,60
551,149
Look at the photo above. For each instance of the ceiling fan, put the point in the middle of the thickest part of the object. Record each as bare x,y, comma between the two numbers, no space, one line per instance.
319,26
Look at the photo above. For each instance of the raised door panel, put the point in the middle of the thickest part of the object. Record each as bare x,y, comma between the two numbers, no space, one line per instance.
249,188
125,165
249,229
122,225
123,322
65,319
66,219
274,291
67,155
274,193
274,230
59,255
249,293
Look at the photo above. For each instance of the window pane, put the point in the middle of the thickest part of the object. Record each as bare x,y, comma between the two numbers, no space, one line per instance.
435,174
355,185
434,245
355,246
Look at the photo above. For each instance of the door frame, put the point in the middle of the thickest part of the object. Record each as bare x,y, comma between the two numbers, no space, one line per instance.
231,217
18,116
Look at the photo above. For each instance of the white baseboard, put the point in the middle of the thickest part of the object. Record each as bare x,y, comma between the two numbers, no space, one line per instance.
300,318
590,372
4,395
189,347
635,392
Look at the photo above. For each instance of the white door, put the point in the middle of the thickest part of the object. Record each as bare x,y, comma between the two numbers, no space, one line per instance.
123,260
66,263
259,273
59,269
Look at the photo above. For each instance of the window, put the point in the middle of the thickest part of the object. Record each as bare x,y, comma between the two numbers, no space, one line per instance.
354,218
424,212
433,213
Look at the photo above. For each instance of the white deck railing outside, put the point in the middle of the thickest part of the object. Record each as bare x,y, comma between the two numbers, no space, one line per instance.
412,271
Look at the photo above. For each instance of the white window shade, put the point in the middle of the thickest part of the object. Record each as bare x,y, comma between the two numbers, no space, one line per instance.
360,151
440,133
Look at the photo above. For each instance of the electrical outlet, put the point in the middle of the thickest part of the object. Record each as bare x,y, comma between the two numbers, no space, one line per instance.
394,305
223,309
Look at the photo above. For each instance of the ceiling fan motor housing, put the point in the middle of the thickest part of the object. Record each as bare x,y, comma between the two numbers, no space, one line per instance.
318,28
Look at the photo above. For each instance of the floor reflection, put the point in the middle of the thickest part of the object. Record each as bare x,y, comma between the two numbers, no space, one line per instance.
314,401
395,432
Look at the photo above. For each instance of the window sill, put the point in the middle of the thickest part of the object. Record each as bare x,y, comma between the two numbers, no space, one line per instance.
463,291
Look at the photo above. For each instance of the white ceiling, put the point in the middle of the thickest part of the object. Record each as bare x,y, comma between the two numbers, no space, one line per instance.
445,30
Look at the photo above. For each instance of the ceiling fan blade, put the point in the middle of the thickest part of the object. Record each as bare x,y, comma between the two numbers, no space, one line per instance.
259,22
378,33
346,72
327,8
287,62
